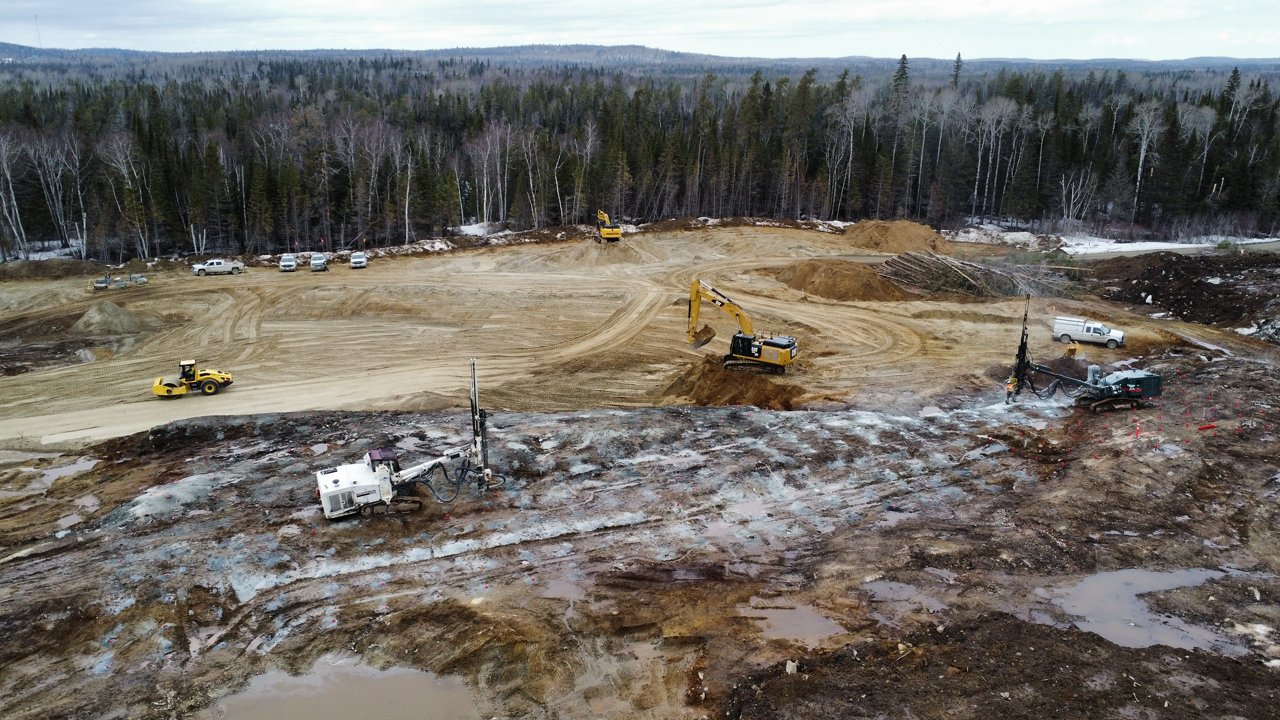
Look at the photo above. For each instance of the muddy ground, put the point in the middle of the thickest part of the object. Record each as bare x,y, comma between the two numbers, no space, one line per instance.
879,521
1235,290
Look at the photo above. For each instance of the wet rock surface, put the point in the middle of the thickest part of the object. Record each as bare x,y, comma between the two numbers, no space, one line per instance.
669,562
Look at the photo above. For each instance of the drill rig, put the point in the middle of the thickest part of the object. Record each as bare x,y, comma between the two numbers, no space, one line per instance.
377,484
1125,389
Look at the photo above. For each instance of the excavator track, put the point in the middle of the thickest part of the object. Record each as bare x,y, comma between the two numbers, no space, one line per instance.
739,365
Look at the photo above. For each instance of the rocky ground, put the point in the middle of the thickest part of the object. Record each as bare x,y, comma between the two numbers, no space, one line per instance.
794,556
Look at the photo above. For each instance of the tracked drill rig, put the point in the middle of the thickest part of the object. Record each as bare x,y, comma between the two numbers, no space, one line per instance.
1125,389
378,484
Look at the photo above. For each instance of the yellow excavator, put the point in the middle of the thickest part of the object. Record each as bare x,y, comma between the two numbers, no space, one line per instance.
207,380
746,351
606,231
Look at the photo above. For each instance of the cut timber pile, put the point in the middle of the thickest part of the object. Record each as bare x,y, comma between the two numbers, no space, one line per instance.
940,273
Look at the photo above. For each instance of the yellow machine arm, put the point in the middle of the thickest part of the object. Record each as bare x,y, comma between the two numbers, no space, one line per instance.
699,291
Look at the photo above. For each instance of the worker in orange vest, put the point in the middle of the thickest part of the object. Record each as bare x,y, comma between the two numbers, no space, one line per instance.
1010,387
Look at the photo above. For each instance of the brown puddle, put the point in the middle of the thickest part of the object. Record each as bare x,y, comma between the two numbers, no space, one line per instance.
342,688
801,624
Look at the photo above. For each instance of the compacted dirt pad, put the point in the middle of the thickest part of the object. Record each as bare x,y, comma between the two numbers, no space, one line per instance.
555,326
900,544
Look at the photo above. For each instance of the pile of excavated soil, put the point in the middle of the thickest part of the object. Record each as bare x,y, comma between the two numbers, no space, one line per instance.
839,280
108,318
898,236
1226,290
972,316
49,269
1209,289
709,383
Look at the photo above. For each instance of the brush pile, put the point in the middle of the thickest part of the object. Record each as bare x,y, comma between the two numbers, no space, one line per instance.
933,272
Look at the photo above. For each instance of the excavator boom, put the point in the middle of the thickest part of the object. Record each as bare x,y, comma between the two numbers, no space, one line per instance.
699,291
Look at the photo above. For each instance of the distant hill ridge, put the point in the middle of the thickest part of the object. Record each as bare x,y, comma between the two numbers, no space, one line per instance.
636,57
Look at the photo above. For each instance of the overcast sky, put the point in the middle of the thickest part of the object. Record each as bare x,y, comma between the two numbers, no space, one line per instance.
1077,29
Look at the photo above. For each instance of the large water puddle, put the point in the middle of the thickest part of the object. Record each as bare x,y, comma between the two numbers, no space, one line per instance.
1108,604
341,689
801,624
48,475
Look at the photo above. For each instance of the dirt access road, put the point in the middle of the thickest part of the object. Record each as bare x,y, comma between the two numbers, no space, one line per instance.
912,544
555,327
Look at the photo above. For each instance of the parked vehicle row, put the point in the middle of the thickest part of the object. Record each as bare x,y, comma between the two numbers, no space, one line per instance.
319,262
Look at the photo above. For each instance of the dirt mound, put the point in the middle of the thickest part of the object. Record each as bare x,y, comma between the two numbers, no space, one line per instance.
895,236
1226,290
50,269
967,316
108,318
709,383
839,280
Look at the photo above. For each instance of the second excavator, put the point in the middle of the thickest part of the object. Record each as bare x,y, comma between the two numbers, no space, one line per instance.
607,230
746,351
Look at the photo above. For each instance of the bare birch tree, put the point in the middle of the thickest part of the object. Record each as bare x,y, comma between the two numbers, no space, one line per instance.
1198,122
10,213
1146,126
46,155
1078,188
1087,121
585,148
126,187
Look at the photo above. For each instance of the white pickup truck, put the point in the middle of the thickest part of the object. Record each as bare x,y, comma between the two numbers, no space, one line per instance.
218,267
1073,329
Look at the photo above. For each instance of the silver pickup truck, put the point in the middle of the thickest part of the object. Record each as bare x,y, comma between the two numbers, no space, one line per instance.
218,267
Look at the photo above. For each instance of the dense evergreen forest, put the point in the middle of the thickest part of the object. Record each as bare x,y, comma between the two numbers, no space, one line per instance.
144,155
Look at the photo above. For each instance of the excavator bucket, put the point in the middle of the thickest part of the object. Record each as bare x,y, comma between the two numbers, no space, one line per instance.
702,337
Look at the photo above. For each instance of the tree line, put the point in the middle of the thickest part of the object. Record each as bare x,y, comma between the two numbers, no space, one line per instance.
270,155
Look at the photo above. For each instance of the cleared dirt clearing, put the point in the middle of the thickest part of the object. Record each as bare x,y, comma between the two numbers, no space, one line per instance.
555,327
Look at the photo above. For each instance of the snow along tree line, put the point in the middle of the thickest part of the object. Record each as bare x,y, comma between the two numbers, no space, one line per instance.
280,154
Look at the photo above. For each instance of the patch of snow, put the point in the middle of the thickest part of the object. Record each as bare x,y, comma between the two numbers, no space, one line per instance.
49,251
1252,329
478,229
1205,345
1090,245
